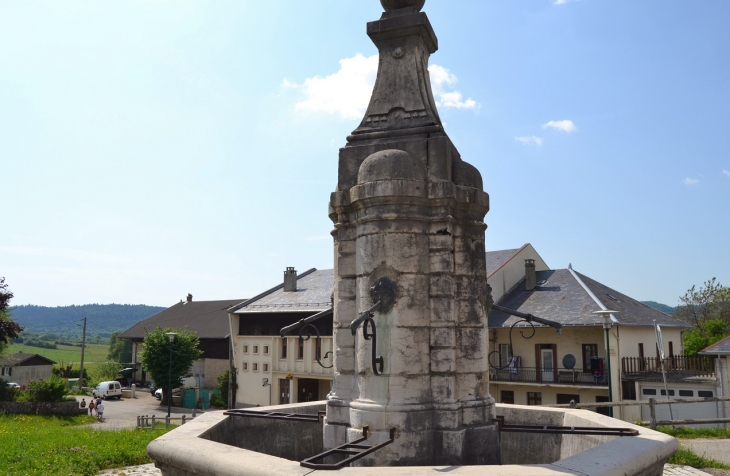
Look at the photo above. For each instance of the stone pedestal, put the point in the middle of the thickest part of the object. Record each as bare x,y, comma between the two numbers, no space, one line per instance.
408,208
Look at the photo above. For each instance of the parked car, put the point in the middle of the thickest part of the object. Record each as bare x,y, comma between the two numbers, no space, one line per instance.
175,391
153,388
110,389
14,385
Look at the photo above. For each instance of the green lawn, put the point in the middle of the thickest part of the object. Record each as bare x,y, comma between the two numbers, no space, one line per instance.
41,445
95,353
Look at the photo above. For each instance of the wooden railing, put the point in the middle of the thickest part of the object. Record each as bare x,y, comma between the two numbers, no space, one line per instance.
696,366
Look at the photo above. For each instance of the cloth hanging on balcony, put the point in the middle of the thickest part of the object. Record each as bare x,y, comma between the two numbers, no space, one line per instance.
514,364
597,368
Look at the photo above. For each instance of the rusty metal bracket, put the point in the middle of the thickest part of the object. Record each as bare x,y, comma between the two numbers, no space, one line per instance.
566,430
307,330
351,452
277,415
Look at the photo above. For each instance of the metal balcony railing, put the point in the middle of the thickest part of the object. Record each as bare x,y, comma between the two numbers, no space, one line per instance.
694,366
552,376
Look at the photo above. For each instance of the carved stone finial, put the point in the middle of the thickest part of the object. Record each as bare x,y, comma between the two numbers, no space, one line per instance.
390,5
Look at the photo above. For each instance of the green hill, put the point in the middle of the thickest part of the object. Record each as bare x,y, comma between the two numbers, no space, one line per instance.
102,319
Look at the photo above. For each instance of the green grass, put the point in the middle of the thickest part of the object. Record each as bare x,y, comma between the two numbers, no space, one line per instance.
686,457
94,354
41,445
689,433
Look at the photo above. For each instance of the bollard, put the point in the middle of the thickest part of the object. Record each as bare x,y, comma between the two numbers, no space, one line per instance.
167,423
133,389
183,419
153,421
194,412
652,413
572,404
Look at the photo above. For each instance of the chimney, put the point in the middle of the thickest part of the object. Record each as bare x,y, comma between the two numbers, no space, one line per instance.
190,297
290,280
530,278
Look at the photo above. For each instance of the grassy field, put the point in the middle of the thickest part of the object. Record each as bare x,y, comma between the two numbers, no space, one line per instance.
40,445
689,433
95,353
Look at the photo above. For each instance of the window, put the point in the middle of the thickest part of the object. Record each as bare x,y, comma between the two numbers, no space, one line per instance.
508,396
318,349
589,350
686,393
505,354
266,350
649,391
245,349
671,349
266,367
534,398
245,366
671,393
283,347
255,367
255,349
300,355
641,351
704,393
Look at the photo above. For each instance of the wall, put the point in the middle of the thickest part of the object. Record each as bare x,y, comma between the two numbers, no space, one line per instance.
213,368
25,374
513,271
549,393
42,408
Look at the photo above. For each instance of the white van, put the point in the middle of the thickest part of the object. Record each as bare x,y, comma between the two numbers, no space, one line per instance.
106,390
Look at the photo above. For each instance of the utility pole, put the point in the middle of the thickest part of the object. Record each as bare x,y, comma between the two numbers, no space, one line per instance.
83,347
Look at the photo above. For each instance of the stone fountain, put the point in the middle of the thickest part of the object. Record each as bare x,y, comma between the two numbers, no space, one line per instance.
411,378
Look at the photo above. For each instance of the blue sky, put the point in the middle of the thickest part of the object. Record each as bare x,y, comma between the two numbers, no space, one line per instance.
153,148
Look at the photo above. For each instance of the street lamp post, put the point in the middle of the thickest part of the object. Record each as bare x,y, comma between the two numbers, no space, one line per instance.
606,314
171,335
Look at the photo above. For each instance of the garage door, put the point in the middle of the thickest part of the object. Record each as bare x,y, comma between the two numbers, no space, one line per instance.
682,411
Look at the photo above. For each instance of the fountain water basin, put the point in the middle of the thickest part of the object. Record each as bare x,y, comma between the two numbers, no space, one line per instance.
216,444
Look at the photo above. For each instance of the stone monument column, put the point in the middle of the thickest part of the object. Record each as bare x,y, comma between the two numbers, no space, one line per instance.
409,211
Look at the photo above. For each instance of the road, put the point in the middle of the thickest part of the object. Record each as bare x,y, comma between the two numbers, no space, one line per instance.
123,413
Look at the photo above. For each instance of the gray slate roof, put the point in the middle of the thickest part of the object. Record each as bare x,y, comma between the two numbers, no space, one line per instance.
721,347
495,259
20,358
562,298
314,293
207,319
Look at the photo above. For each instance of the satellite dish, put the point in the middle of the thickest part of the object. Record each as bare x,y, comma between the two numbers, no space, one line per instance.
265,382
569,361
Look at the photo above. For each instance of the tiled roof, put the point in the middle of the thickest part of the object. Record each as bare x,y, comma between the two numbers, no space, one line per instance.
495,259
12,360
562,298
721,347
207,319
314,293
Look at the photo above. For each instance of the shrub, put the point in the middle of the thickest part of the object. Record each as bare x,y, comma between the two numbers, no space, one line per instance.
7,393
217,401
223,387
51,390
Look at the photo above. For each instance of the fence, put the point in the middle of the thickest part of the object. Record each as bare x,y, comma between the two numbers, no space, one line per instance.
534,375
147,422
652,403
697,365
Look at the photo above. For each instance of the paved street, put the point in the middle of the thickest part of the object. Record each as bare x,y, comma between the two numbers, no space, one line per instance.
123,413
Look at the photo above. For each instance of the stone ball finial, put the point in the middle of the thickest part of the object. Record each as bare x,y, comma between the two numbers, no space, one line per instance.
390,5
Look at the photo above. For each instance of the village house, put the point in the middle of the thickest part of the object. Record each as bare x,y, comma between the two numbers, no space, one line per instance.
23,368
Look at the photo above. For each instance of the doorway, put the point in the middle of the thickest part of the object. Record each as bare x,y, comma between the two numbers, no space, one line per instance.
546,361
284,391
308,390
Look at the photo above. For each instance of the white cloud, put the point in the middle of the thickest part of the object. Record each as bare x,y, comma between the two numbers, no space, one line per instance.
347,92
533,140
564,125
442,80
726,172
691,181
562,2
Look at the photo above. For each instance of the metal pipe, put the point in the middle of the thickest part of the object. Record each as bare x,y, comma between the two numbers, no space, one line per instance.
303,322
364,315
528,317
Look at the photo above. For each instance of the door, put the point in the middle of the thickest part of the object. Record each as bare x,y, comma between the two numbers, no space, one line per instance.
308,390
283,391
508,396
546,365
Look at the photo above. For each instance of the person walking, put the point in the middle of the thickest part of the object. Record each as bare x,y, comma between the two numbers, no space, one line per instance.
92,405
100,412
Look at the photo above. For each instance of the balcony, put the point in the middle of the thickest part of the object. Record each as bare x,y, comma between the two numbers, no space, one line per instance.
553,377
675,366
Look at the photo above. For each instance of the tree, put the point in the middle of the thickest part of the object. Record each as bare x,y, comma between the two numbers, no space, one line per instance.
120,350
9,329
707,309
155,356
